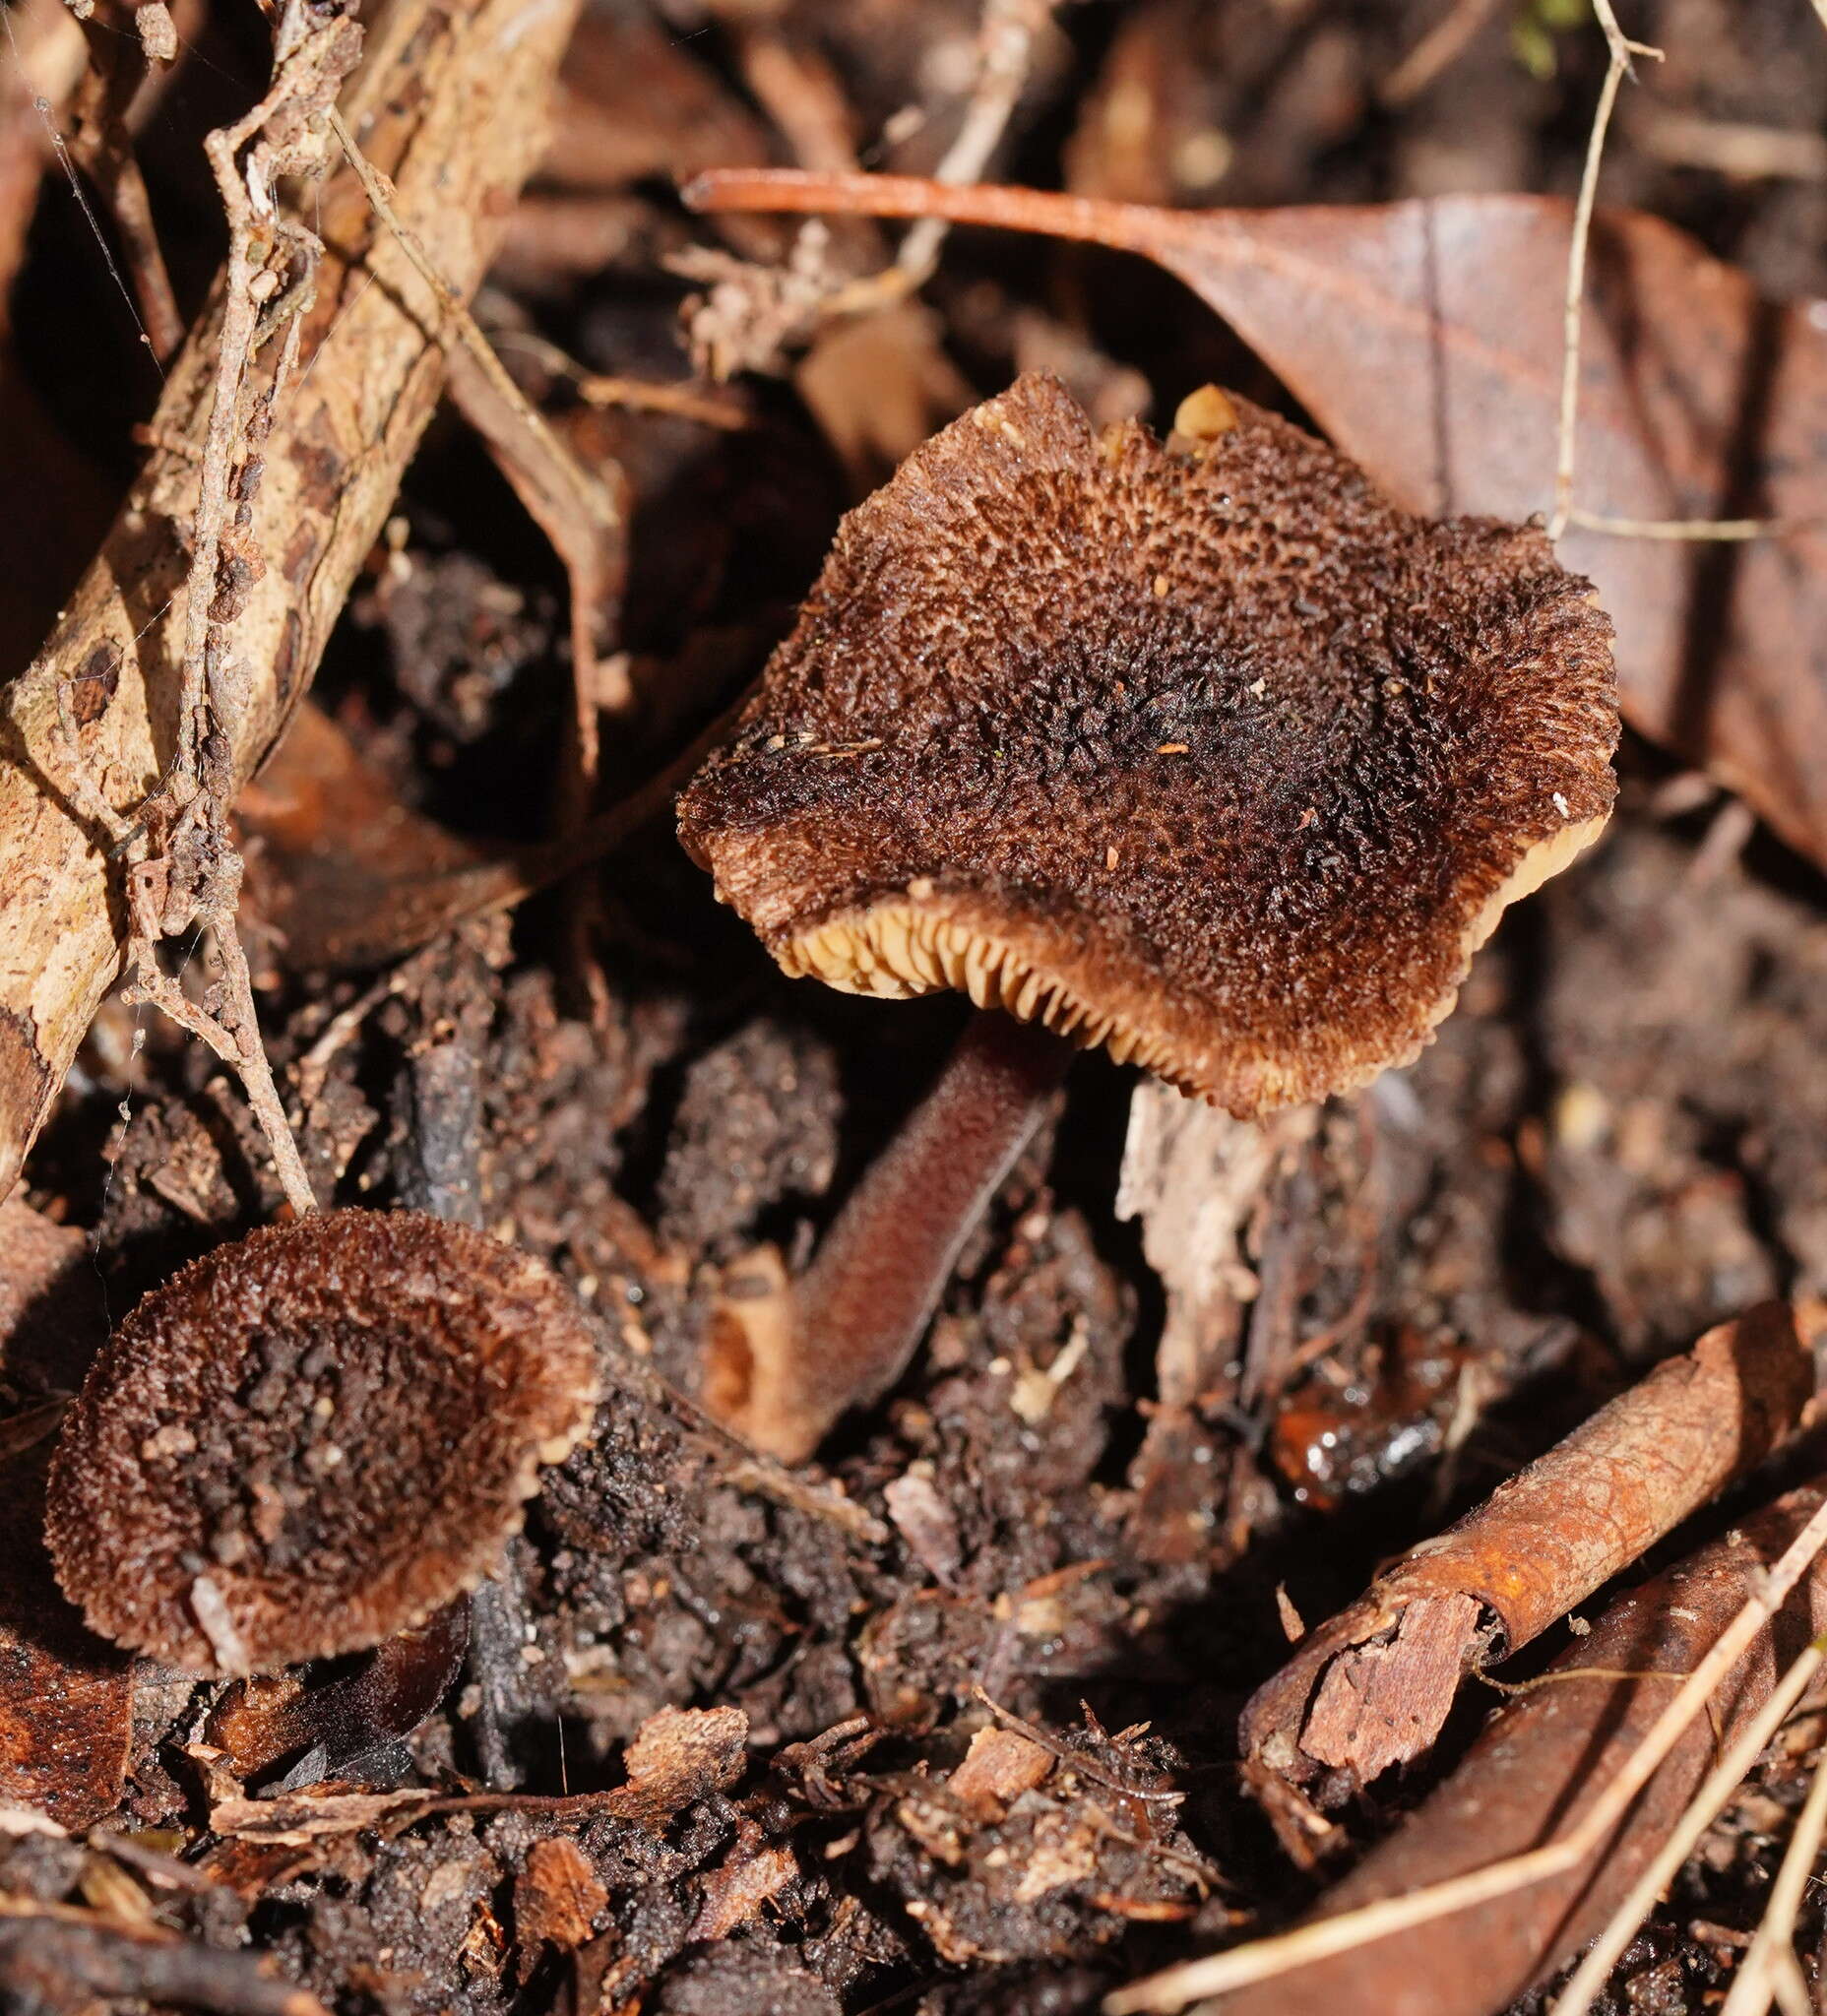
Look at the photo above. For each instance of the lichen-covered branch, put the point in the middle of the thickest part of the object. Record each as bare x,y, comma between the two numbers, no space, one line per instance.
456,145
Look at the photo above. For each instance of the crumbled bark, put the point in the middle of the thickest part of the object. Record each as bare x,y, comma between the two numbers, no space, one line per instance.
1373,1688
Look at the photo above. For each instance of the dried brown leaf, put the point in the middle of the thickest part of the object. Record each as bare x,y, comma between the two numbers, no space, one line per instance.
66,1696
1425,337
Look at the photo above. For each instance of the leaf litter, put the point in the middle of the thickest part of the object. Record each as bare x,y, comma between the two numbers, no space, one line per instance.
906,1672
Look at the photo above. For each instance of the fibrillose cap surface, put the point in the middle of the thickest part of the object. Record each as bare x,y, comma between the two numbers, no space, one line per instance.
1203,751
313,1437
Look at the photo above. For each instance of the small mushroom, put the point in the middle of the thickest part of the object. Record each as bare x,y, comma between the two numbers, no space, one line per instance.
312,1438
1200,750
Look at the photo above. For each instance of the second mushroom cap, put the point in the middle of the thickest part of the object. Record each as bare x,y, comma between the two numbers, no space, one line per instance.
1201,750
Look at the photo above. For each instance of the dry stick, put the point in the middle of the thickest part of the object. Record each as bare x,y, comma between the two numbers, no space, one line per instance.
1576,1999
1262,1959
461,109
102,149
187,871
1671,528
1616,69
1373,1686
1006,40
1005,43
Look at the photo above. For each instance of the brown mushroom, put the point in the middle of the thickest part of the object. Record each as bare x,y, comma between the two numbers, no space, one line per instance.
314,1438
1199,750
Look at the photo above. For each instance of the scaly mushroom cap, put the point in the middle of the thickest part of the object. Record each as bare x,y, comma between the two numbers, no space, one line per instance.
1204,751
313,1437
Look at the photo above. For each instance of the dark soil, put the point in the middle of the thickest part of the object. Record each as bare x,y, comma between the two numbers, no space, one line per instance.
1613,1143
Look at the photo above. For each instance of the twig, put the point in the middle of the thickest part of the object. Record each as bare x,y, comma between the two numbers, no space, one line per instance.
1616,70
1373,1686
708,405
1437,51
102,149
455,110
1721,1783
1675,528
754,312
185,870
1006,42
1260,1960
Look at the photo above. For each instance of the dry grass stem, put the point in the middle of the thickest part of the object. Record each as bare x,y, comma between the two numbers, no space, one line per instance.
1727,529
1616,70
1262,1959
754,314
1592,1974
1769,1972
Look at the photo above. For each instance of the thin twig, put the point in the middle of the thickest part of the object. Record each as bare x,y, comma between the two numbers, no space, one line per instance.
1576,1999
1616,70
102,148
1006,42
1262,1959
184,870
1675,528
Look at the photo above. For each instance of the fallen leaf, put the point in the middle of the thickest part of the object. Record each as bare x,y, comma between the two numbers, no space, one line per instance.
66,1696
1425,337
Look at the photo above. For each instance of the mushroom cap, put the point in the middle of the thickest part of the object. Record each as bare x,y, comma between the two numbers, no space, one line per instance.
1203,751
311,1438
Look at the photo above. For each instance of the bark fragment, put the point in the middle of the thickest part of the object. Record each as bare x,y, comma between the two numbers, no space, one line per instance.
1372,1686
1535,1771
452,107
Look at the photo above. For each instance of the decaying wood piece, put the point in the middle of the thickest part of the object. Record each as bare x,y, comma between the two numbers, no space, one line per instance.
451,105
1192,1175
1372,1686
1532,1775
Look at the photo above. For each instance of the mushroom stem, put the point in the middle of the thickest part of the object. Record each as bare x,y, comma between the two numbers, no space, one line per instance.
862,1305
